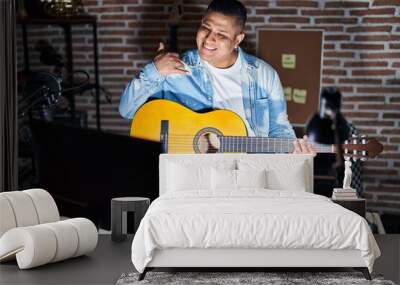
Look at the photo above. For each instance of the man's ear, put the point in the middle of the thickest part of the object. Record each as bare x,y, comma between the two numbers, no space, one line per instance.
239,39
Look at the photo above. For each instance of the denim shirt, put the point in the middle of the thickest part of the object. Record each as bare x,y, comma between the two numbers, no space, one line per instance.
263,99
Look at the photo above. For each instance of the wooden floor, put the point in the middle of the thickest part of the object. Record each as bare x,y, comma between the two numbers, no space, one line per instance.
111,259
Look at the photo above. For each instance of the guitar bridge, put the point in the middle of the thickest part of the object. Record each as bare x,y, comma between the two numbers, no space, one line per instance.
164,136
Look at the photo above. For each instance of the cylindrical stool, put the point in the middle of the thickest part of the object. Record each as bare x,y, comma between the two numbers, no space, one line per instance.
119,207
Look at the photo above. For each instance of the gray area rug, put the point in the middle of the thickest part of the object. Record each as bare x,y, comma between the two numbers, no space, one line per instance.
269,278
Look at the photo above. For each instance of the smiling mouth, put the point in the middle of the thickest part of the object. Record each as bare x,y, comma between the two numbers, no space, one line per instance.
209,48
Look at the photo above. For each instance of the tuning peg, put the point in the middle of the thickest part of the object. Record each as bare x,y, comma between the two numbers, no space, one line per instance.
363,158
354,135
346,142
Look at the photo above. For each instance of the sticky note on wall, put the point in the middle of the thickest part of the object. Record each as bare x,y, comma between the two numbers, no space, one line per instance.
288,93
289,61
299,96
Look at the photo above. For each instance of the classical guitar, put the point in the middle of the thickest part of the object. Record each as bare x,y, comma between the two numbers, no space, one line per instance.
221,131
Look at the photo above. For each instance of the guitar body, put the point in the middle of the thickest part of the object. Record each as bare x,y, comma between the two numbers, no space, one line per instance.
188,131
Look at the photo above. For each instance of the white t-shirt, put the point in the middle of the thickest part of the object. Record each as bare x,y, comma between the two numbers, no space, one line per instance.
227,85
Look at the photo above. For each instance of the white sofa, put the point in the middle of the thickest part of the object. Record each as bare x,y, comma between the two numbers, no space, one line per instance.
31,231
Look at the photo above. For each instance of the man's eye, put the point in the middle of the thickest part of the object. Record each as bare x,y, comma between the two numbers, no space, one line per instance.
222,36
204,28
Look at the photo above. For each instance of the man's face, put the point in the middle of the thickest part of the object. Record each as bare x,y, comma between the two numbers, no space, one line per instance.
217,38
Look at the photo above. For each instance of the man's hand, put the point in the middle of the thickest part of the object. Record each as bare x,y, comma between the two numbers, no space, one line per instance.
168,62
301,146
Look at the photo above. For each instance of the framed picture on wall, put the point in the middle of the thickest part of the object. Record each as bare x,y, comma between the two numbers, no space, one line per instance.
297,57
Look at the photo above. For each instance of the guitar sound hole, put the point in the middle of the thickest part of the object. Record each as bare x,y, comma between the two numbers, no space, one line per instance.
207,141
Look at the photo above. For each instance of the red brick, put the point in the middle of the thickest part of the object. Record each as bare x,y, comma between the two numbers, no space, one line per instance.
362,46
393,81
326,80
105,56
390,172
329,28
363,98
386,2
164,17
381,205
345,4
380,107
106,9
322,12
120,2
346,54
331,62
102,24
120,49
147,9
374,72
267,26
147,25
255,20
329,46
365,63
289,20
379,11
360,81
368,29
249,3
287,3
377,90
390,197
115,32
119,17
375,123
390,155
337,37
87,3
369,132
375,163
109,41
342,20
380,55
391,115
395,140
360,115
270,11
334,72
381,20
376,38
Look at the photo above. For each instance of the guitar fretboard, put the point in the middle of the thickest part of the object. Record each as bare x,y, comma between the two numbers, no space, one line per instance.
264,145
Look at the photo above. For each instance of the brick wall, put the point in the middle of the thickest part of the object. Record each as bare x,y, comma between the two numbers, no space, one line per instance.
361,55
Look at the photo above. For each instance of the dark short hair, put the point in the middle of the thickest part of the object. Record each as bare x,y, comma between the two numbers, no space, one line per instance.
229,8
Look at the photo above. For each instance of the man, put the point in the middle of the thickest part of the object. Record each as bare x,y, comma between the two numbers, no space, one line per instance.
218,75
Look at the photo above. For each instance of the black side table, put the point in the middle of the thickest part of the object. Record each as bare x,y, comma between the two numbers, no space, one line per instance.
355,205
119,207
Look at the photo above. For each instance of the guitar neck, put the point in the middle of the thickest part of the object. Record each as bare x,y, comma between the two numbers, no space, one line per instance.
265,145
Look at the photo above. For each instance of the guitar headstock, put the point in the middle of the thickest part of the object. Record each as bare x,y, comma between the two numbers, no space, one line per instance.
361,147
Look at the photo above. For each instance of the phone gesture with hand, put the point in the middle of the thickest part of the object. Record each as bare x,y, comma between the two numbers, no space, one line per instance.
168,63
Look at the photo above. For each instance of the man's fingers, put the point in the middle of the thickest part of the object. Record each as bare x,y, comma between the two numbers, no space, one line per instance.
302,145
173,54
296,148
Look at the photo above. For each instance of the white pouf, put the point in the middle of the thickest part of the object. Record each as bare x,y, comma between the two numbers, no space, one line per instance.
31,232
